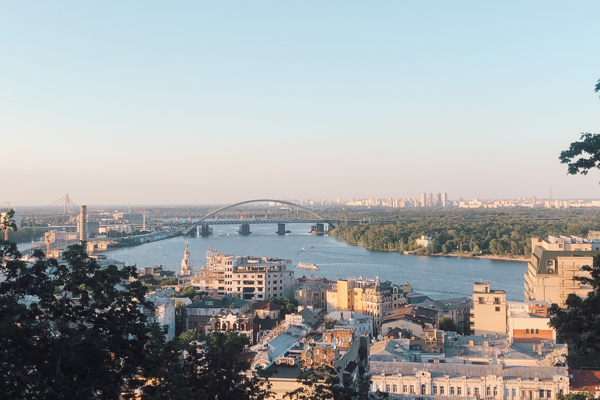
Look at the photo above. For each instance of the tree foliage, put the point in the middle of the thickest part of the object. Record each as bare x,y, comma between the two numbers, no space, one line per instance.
289,305
66,330
330,323
579,324
585,395
584,155
447,324
499,232
324,383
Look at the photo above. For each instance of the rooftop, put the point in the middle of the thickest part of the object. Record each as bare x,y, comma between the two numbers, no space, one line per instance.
468,370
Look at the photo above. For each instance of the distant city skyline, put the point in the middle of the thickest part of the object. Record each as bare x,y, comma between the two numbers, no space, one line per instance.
212,103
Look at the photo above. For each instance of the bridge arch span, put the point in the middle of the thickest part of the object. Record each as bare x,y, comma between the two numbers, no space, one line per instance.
289,203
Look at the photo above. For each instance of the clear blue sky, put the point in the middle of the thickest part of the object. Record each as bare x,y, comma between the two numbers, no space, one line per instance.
160,102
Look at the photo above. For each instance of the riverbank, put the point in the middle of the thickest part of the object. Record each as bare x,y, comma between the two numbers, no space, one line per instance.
488,256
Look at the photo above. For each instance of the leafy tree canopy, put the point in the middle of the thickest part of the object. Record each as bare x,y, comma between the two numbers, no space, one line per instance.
66,330
584,155
325,383
579,324
289,305
447,324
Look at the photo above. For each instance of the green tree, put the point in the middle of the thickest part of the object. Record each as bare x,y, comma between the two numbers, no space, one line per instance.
289,305
8,223
188,292
584,155
330,323
181,318
325,383
188,336
447,324
224,370
169,280
585,395
579,324
66,331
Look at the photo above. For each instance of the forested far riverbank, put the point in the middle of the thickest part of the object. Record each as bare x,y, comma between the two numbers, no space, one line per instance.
505,233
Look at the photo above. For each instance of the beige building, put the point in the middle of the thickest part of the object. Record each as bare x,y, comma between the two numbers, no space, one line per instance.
254,278
555,261
312,293
369,297
409,380
424,241
488,314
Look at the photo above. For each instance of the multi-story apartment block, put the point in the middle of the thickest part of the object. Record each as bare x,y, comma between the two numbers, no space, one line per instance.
252,277
488,314
554,263
369,297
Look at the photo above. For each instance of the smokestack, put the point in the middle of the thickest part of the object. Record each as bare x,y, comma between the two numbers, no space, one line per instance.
83,224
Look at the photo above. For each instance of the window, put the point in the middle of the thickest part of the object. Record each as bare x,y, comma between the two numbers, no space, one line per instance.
387,388
423,389
548,394
514,393
468,391
451,389
542,394
441,390
434,391
481,300
412,389
404,388
537,331
476,391
497,309
496,300
394,388
459,391
526,330
488,391
495,391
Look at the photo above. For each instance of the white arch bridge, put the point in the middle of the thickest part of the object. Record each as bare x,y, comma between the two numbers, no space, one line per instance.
202,227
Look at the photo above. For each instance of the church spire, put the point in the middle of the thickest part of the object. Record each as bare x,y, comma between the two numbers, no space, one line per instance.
186,263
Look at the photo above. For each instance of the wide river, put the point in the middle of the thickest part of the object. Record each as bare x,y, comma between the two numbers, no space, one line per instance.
437,277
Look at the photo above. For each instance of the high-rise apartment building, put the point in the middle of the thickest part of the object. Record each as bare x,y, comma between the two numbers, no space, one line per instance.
430,202
554,263
254,278
444,200
438,200
423,199
82,224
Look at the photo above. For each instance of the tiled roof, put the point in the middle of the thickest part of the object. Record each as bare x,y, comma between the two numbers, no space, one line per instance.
585,378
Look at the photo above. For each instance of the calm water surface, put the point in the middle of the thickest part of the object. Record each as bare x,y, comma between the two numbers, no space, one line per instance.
437,277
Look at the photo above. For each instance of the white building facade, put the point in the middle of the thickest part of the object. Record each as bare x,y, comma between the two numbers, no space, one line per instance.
252,277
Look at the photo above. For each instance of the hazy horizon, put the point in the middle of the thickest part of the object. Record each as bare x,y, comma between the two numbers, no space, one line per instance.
213,103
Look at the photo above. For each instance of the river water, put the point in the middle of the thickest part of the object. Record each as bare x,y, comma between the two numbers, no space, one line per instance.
437,277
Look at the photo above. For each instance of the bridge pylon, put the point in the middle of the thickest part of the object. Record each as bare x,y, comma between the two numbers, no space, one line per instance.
245,229
281,229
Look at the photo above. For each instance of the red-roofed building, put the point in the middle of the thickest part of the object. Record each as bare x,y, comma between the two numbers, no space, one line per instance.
585,379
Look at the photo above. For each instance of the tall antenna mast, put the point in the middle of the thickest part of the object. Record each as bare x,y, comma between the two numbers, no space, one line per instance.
550,192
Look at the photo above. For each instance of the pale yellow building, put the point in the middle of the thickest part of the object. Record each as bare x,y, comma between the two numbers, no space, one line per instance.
555,261
488,314
366,296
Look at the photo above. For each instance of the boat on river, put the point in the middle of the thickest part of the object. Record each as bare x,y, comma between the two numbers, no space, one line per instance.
307,266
